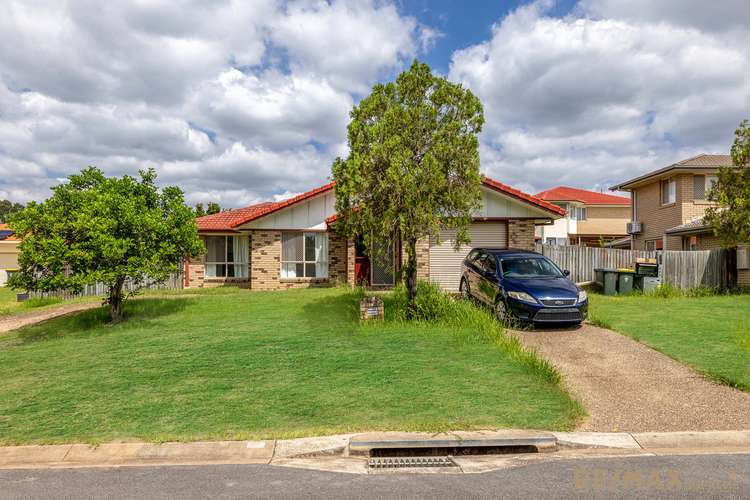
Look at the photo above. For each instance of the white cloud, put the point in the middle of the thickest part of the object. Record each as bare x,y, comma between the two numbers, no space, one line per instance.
592,101
236,100
349,42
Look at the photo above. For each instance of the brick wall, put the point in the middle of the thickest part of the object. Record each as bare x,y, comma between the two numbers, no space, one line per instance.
423,258
521,234
338,251
265,260
656,218
196,272
350,259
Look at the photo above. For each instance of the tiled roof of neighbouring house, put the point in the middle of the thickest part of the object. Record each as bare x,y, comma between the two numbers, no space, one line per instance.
7,234
694,226
565,193
230,219
702,161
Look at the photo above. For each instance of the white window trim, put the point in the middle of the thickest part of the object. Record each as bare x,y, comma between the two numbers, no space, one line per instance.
225,262
304,262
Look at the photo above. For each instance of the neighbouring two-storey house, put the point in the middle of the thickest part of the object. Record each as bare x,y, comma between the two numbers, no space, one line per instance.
668,206
293,243
591,219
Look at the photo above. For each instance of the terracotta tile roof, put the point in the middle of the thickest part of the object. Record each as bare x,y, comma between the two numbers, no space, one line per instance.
520,195
701,161
230,219
564,193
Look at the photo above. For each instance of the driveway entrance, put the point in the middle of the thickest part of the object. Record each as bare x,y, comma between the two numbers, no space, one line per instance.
627,386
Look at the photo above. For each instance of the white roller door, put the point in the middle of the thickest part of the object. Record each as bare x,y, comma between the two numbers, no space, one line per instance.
445,262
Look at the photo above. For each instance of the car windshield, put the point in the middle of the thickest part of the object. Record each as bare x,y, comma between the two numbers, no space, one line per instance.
530,267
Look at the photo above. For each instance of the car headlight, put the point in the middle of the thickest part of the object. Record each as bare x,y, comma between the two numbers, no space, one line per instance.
582,296
522,296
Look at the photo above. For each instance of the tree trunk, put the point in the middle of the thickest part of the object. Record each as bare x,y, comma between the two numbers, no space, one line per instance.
115,301
411,273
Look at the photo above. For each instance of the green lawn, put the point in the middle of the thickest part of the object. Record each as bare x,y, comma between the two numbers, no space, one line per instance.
710,334
240,365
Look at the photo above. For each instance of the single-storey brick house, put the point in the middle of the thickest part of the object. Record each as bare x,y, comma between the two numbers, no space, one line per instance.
292,243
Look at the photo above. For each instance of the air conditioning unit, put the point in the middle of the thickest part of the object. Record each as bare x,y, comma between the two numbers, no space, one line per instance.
635,227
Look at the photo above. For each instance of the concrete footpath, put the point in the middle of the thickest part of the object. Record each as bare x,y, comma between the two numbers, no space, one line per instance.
347,453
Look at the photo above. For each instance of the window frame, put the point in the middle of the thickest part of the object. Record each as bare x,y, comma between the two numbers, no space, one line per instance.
667,182
708,182
304,262
226,262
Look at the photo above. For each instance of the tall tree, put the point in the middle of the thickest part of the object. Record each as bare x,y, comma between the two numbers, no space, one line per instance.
413,165
213,208
7,207
730,218
199,210
104,229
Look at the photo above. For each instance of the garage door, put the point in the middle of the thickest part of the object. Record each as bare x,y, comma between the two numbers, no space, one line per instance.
445,262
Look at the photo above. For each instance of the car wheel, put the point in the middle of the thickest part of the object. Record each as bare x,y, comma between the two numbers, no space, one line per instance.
464,289
501,311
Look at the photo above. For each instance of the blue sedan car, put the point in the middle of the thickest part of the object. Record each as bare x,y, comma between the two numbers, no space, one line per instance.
523,286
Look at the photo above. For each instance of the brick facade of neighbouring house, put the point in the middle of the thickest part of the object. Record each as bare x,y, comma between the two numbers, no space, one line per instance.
338,257
521,234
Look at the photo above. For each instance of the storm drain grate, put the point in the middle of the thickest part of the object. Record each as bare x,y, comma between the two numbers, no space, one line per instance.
406,462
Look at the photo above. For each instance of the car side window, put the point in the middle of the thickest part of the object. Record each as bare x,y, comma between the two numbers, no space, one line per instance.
490,265
472,257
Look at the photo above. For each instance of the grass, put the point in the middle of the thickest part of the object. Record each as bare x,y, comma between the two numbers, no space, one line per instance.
9,304
711,334
242,365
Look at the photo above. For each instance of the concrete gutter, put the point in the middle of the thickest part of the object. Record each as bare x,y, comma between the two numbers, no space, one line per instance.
333,452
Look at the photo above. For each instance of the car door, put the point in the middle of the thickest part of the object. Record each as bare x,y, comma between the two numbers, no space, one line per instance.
474,272
489,286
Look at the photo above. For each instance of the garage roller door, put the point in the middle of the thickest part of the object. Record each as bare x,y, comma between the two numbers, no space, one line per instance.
445,262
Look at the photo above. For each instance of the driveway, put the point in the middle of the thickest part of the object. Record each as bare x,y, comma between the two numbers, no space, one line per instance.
626,386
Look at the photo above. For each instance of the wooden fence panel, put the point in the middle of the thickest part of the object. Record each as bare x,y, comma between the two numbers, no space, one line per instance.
581,261
174,282
685,270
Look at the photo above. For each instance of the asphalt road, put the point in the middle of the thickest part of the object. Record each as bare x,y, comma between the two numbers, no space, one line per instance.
699,476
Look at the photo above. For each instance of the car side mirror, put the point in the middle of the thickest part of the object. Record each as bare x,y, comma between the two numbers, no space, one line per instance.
566,272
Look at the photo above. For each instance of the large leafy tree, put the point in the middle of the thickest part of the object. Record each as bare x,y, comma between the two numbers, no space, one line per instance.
730,219
104,229
8,207
413,164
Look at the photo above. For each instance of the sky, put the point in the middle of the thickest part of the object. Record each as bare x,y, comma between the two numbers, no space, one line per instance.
245,101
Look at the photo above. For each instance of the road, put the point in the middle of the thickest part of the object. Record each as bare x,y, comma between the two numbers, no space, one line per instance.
698,476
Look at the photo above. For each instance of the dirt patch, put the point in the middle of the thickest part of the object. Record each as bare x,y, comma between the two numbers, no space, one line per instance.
627,386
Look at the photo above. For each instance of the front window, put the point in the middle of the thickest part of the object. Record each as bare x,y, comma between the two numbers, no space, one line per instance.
304,255
668,192
226,256
652,245
576,213
531,267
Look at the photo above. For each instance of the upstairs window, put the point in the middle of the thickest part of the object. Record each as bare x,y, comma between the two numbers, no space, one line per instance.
226,256
576,213
304,255
702,186
668,191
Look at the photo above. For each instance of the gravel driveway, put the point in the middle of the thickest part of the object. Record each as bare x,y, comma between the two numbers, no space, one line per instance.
626,386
